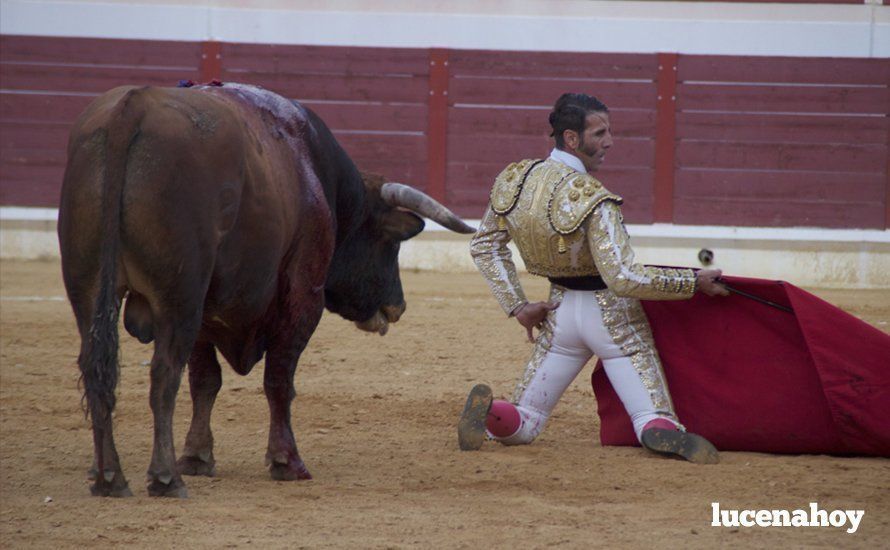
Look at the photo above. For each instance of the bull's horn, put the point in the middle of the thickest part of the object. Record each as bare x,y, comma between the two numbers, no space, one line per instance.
399,194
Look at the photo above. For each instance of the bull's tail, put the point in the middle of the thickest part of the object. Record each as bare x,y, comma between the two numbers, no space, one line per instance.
98,360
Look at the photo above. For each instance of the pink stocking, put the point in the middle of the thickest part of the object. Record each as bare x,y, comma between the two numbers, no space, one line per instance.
662,423
503,419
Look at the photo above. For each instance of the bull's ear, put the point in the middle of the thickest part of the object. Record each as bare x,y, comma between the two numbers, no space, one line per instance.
401,225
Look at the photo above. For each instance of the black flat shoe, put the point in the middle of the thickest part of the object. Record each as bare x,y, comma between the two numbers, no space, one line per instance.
471,426
694,448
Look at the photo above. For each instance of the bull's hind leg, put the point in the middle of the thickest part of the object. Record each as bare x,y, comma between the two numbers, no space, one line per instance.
106,472
205,380
173,344
281,363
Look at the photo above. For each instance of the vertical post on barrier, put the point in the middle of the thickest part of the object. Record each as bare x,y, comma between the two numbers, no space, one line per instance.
211,61
665,137
437,126
887,189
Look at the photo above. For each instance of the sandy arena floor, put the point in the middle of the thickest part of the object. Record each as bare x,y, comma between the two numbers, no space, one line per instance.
374,419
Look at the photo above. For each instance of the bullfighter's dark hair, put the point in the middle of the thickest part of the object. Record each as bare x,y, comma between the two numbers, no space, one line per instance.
570,112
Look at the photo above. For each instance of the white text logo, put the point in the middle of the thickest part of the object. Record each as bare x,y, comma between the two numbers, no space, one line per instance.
784,518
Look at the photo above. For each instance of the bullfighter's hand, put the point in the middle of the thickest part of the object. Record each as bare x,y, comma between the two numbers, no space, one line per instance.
533,314
706,281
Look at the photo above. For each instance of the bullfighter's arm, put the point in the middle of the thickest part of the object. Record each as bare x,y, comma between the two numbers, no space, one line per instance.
495,261
614,259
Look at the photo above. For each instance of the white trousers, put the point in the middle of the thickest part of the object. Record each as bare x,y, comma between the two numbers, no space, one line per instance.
572,334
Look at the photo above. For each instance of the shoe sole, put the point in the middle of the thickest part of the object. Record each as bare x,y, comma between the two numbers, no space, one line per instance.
471,426
694,448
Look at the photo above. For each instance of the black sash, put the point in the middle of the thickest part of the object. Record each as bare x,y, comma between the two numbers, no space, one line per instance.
588,282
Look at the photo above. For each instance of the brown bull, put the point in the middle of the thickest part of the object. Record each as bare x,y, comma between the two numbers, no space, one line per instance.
228,218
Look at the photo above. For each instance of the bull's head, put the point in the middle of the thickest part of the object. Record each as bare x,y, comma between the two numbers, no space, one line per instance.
364,284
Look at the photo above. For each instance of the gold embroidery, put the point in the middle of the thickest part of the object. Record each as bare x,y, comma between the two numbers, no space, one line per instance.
495,261
626,322
573,201
599,246
528,223
615,261
542,345
508,185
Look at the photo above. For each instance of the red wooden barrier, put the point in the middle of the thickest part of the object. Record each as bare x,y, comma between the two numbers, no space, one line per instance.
499,104
47,82
782,141
769,141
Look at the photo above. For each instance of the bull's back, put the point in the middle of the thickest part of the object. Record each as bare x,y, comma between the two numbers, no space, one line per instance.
183,178
213,199
173,141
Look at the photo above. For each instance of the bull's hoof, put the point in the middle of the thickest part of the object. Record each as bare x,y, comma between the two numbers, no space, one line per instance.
112,484
173,488
293,470
196,466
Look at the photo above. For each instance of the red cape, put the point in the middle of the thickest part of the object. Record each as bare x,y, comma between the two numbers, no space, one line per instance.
750,377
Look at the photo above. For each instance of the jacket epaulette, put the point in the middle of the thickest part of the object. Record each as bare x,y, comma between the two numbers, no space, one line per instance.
508,185
574,199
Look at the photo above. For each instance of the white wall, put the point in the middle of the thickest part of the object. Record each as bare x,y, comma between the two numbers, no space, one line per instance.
824,258
553,25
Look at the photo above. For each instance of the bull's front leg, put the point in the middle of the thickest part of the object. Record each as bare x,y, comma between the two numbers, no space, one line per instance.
281,363
205,380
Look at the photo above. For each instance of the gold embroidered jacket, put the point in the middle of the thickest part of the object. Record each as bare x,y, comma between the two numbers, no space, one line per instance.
565,224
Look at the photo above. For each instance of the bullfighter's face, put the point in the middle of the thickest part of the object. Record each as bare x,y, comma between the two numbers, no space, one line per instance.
591,144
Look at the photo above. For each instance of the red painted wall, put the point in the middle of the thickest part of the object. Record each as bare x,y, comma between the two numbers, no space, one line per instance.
498,109
782,141
47,82
752,141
